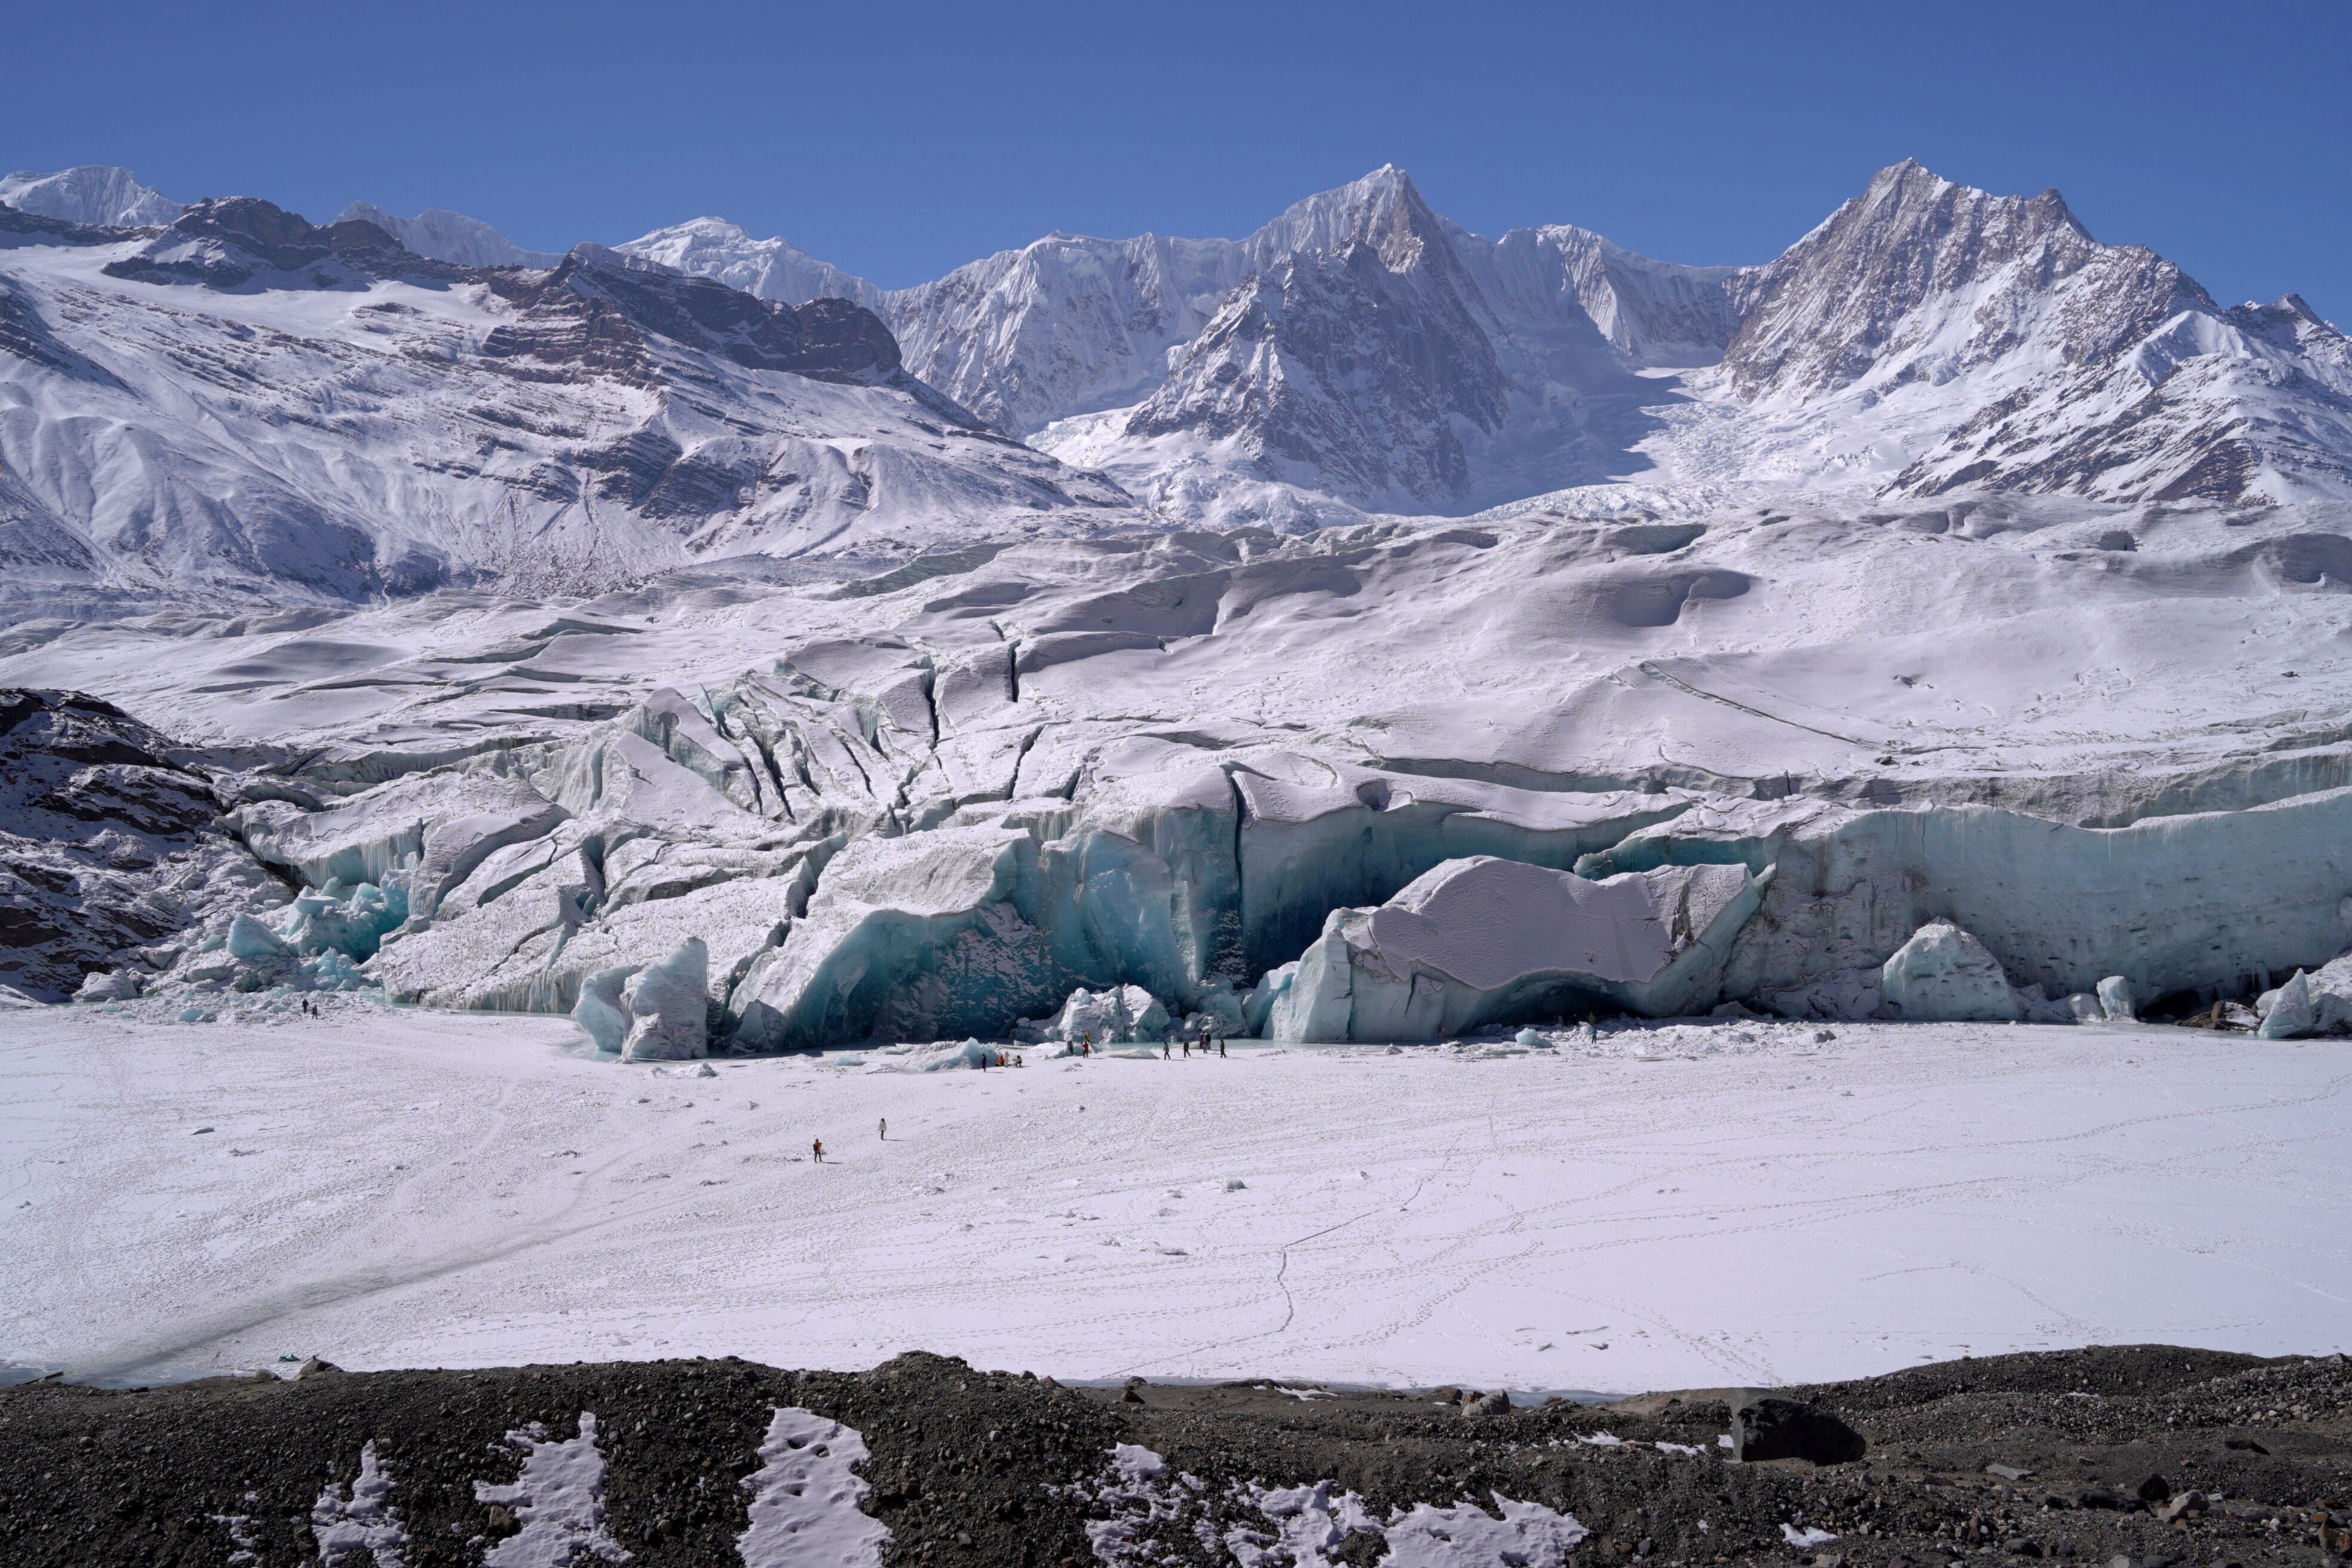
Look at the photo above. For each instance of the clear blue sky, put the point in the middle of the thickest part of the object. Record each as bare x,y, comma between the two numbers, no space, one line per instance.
899,141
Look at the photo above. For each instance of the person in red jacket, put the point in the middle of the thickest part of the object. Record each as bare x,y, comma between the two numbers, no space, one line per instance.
816,1146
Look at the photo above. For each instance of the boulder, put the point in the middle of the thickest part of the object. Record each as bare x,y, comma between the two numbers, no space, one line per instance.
1483,940
1944,975
1786,1430
668,1013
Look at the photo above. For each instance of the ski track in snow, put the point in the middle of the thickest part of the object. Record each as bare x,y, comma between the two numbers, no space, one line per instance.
1685,1206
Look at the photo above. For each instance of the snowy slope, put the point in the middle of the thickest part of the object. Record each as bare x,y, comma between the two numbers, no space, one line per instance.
245,401
95,193
445,236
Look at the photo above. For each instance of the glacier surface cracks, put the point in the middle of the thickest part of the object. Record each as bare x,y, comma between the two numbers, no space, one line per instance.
1390,782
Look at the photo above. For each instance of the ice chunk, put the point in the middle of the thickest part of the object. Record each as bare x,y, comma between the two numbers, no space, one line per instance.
253,942
1114,1016
598,1011
1945,975
352,922
666,1007
911,938
1483,940
2292,1012
99,985
2115,1000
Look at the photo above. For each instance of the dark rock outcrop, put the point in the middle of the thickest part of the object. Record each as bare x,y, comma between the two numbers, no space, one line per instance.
106,841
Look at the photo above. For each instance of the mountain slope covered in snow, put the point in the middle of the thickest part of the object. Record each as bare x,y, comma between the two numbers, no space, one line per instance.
95,193
1926,337
1358,355
243,401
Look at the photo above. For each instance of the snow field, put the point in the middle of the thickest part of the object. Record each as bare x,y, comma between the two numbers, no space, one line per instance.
1680,1206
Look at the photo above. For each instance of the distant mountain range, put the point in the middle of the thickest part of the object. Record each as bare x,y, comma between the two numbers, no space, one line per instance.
223,393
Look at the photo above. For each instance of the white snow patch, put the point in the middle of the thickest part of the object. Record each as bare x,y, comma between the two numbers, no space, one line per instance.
342,1524
806,1501
559,1499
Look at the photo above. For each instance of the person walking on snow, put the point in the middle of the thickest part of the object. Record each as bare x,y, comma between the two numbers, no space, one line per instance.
816,1146
882,1129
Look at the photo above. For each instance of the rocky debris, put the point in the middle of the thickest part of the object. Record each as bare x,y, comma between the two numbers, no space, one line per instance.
1945,975
2139,1452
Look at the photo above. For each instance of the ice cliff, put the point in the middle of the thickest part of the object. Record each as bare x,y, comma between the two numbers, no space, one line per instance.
1396,782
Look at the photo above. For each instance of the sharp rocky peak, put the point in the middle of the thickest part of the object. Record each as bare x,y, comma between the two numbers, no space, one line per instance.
1920,266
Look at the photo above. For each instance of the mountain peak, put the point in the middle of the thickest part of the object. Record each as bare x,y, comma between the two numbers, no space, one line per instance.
100,195
774,269
1384,209
451,236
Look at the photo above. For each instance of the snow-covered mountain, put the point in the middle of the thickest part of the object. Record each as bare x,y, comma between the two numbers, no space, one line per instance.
1361,353
445,236
2010,350
95,193
189,394
771,268
243,401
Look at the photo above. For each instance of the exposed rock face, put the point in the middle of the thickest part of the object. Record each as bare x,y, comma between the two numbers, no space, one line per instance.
594,309
1481,941
241,242
2082,368
1944,975
107,852
1349,370
1991,340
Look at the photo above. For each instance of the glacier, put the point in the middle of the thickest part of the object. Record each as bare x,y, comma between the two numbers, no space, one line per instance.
1294,786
